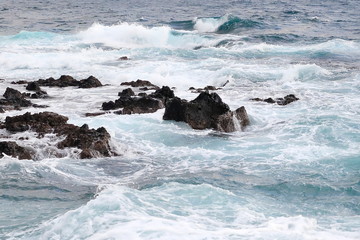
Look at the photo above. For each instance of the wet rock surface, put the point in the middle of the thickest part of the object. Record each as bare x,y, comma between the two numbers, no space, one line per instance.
143,103
13,149
92,142
139,83
13,99
280,101
67,81
207,111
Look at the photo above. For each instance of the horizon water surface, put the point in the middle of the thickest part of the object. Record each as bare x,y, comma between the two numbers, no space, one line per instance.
294,173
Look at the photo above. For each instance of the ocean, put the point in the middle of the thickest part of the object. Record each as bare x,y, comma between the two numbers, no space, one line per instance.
294,173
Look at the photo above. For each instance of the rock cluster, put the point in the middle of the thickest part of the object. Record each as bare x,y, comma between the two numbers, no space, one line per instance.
91,142
66,81
13,149
15,100
207,111
129,103
280,101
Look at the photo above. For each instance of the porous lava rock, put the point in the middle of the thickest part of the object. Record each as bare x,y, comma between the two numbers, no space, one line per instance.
207,111
92,142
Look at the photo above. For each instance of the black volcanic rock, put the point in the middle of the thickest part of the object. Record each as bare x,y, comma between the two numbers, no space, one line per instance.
128,92
142,103
33,86
163,94
13,149
207,111
67,81
92,142
90,82
139,83
15,99
280,101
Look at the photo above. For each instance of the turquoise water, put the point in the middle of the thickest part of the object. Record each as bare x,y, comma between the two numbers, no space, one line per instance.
293,173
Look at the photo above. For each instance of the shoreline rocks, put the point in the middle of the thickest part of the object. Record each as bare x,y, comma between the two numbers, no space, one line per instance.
11,148
143,103
91,142
207,111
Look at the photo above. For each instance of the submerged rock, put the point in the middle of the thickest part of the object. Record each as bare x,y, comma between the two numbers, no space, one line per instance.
280,101
207,111
92,142
14,150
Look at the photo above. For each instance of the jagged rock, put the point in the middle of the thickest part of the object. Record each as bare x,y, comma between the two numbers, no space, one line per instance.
14,98
128,92
63,81
287,99
135,105
90,82
141,104
93,143
44,122
2,110
163,94
14,150
207,111
33,86
109,106
280,101
139,83
66,81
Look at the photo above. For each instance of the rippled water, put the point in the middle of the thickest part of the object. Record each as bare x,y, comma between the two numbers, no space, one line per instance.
294,173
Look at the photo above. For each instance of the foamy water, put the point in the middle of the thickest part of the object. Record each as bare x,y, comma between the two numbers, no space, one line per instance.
292,174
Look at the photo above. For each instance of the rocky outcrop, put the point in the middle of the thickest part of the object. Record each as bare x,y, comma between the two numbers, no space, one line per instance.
94,143
67,81
131,104
139,83
90,82
91,142
13,99
13,149
280,101
207,111
39,93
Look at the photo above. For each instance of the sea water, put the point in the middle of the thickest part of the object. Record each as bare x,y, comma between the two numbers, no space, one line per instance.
294,173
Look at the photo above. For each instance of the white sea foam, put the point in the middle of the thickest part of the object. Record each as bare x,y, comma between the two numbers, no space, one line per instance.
156,214
205,25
